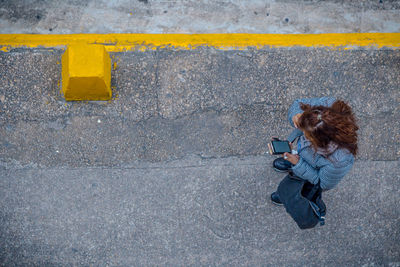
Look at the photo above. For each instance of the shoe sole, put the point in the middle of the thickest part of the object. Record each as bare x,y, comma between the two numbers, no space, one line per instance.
277,204
278,170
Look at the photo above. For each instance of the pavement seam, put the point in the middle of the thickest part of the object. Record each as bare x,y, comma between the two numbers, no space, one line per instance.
192,166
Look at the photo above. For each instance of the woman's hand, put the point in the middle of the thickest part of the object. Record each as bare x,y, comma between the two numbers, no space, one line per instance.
296,119
291,158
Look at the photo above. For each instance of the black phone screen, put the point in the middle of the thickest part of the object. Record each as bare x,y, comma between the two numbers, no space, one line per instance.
281,147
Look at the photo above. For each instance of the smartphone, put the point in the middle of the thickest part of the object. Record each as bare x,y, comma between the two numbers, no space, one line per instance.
279,147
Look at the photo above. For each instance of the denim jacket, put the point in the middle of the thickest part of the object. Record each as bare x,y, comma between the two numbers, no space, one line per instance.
313,166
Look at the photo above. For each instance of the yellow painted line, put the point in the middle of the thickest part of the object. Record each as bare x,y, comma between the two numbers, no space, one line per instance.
128,42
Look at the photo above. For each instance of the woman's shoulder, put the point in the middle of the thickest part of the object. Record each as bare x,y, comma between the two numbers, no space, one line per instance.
342,158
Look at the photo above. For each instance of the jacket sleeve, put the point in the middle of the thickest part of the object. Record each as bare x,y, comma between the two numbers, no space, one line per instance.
328,175
295,107
294,134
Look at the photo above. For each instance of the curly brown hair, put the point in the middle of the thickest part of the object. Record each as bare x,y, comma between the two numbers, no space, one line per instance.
337,123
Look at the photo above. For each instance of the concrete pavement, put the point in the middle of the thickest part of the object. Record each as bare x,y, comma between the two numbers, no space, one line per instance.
200,16
192,212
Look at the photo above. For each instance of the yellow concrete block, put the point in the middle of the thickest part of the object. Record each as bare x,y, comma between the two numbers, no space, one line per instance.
86,73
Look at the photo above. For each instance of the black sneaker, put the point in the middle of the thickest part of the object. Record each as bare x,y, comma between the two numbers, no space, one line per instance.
282,165
275,199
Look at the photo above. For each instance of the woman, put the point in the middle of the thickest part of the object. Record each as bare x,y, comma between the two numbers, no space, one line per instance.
326,130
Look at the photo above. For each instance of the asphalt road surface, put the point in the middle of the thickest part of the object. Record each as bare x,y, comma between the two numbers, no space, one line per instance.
175,171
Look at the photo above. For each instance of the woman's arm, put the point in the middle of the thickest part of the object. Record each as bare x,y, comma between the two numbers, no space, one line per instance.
329,175
320,101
